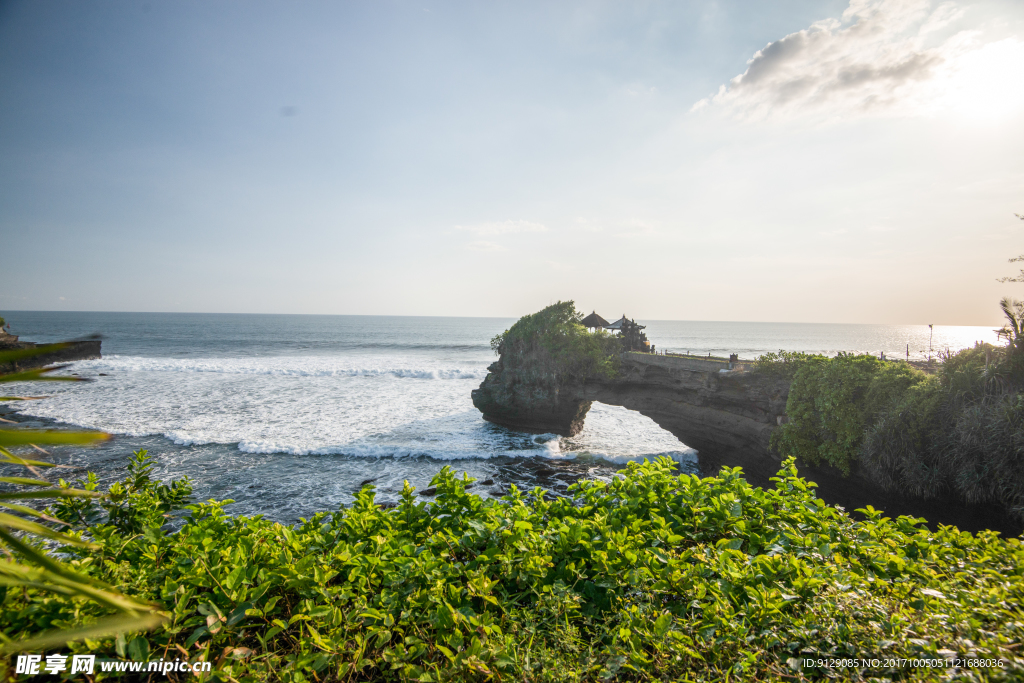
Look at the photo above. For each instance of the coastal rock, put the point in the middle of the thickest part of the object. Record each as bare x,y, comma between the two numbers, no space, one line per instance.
526,393
65,352
727,416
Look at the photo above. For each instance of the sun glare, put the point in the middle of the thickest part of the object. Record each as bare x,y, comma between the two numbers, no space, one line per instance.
985,85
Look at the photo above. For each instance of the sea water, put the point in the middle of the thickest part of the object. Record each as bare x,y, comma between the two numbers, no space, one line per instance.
289,415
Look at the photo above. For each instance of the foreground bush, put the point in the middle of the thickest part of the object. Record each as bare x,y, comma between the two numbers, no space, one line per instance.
654,576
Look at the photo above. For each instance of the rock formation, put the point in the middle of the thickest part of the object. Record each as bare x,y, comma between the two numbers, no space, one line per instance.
727,416
40,355
722,414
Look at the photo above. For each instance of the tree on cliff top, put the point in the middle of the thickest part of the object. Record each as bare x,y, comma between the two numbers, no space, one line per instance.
557,330
1019,278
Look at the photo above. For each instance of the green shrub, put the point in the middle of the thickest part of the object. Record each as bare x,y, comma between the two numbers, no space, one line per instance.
556,331
902,449
832,401
957,433
653,576
784,364
961,436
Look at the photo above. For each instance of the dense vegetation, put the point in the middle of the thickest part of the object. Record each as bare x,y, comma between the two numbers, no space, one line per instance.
958,432
654,576
556,331
832,401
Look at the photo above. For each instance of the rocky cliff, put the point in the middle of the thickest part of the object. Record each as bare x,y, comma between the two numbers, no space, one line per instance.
525,391
727,416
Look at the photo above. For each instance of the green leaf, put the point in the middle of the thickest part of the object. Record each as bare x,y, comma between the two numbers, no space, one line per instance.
14,355
25,481
96,630
40,375
25,437
50,493
13,522
138,649
729,544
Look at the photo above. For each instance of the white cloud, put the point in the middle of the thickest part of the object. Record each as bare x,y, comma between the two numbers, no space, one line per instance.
581,224
481,245
637,228
879,58
502,227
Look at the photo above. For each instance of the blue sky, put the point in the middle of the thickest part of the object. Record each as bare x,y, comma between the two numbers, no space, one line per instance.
783,161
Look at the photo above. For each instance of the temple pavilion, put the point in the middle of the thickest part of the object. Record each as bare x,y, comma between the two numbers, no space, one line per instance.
594,322
633,338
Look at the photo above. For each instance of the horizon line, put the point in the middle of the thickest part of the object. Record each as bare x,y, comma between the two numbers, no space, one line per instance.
481,317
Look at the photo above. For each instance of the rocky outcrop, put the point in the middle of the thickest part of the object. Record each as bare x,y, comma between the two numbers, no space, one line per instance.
727,415
41,355
525,392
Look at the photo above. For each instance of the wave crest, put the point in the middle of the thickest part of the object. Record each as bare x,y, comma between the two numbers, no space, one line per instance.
278,366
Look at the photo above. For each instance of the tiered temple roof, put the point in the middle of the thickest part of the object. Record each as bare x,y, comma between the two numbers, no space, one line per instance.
617,325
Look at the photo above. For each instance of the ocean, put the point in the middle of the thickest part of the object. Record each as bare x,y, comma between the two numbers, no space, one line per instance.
289,415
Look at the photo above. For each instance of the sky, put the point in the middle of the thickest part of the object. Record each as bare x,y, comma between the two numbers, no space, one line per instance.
808,161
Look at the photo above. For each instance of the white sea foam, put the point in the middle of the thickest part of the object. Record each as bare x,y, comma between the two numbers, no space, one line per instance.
365,405
287,406
301,366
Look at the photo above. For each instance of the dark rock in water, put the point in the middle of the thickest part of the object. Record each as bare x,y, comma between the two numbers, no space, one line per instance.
64,352
367,481
487,482
387,505
103,374
429,491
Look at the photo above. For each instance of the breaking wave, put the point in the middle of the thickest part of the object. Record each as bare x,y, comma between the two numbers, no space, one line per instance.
305,366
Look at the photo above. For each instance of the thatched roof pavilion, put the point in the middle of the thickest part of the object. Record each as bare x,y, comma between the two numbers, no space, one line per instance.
594,320
617,325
